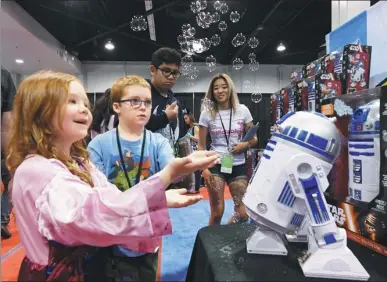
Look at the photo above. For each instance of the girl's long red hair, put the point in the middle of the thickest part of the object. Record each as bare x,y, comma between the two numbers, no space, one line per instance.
38,100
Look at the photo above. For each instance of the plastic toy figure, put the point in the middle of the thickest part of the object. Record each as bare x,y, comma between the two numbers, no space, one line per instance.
286,194
357,70
364,152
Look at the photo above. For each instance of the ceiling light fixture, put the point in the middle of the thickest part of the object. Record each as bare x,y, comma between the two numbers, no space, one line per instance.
281,47
19,61
109,45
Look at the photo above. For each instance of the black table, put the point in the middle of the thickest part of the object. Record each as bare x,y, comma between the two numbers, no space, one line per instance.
220,254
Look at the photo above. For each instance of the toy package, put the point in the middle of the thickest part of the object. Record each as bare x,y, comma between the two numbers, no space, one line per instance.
287,99
332,63
311,69
358,179
356,67
328,86
275,108
296,76
307,99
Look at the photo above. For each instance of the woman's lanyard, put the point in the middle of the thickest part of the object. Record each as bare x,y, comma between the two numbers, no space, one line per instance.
224,129
122,158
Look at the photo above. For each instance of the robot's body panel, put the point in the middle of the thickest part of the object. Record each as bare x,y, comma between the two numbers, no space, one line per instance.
364,153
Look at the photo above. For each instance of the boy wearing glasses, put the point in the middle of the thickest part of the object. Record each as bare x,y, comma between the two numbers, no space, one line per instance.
127,155
167,115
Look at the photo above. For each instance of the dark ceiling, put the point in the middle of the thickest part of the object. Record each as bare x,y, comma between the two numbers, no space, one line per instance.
83,27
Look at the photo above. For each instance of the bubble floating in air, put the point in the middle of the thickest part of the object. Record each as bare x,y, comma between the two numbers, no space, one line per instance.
256,96
217,5
238,40
222,26
215,40
252,56
234,16
253,42
224,8
215,17
138,23
210,61
253,65
237,64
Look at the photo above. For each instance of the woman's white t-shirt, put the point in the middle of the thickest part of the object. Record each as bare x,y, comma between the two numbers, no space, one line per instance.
241,117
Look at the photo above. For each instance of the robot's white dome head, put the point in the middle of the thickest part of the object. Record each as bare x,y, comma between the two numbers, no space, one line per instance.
313,132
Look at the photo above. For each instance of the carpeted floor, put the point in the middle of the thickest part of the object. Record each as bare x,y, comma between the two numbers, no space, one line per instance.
175,252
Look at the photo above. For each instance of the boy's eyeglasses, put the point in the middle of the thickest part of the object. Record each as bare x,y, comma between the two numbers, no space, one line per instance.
168,72
136,103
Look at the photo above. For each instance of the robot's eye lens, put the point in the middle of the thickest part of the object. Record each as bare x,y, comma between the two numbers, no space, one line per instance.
358,113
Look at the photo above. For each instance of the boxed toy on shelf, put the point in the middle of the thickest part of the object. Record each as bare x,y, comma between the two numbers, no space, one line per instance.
356,67
287,96
358,180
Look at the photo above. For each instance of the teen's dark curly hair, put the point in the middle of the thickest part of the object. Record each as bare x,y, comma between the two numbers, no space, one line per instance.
102,112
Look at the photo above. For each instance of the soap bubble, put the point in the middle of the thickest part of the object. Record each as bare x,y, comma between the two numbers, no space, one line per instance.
217,5
237,64
234,16
210,61
138,23
223,8
253,42
253,65
215,40
207,104
222,26
252,56
256,96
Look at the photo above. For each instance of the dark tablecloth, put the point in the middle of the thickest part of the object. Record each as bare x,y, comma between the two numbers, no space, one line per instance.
220,254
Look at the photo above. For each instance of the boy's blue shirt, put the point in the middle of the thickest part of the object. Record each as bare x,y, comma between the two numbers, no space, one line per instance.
104,154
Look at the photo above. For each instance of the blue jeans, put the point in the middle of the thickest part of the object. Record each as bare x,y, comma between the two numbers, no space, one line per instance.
5,208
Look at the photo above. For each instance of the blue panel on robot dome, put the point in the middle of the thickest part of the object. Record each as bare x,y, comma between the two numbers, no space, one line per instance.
285,117
302,135
286,130
329,238
293,132
308,183
377,125
317,141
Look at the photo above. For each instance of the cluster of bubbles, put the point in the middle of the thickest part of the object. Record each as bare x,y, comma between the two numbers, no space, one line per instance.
341,108
138,23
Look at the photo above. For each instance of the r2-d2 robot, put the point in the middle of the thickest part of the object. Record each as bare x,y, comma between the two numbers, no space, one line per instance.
286,193
364,153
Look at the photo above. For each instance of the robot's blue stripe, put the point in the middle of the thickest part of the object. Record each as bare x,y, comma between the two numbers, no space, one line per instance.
286,197
314,198
285,117
266,156
272,142
269,148
361,146
361,140
302,144
363,132
286,130
297,219
329,238
317,141
293,132
365,154
302,135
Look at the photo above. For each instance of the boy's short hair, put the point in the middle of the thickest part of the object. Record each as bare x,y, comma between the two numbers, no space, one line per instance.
167,56
117,91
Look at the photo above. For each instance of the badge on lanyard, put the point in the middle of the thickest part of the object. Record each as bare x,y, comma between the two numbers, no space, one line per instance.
226,164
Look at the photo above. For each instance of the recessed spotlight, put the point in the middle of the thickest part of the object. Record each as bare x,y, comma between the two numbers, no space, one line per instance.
109,45
281,47
19,61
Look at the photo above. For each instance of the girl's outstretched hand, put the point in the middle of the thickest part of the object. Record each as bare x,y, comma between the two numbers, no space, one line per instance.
177,198
180,167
